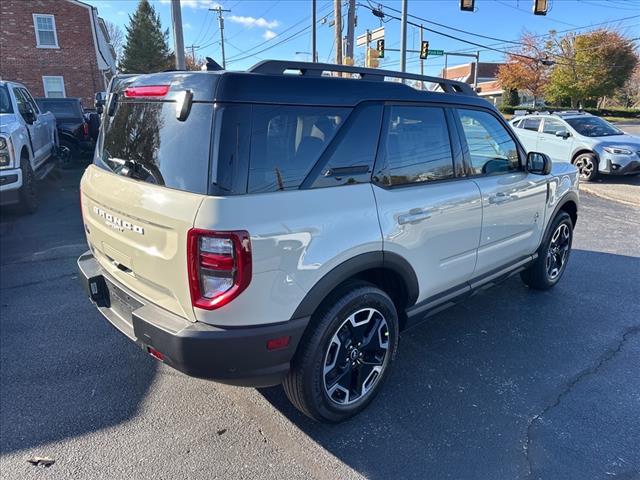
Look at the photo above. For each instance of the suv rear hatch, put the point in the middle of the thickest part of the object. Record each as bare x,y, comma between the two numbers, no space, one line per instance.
149,177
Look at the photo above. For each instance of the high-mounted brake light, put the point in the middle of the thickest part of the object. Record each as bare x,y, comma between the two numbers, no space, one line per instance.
219,266
147,91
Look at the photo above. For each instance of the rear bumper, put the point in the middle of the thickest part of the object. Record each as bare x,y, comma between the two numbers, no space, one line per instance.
236,356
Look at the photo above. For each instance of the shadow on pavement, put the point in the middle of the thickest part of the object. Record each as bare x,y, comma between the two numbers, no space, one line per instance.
467,382
63,372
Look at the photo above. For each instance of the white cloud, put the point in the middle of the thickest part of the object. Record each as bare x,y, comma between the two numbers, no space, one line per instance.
187,26
203,4
269,34
251,22
122,13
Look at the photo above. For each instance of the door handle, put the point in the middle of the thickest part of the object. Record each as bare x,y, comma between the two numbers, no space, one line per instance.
499,197
415,215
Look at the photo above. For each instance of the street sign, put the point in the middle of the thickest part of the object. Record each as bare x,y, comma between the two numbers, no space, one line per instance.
436,53
370,36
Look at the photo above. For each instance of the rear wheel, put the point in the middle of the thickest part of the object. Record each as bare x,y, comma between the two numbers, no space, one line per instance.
553,255
29,191
344,359
69,153
587,165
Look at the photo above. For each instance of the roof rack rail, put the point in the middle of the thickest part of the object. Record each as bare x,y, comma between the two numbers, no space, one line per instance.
279,67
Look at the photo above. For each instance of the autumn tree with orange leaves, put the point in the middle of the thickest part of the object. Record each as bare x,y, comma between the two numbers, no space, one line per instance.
525,69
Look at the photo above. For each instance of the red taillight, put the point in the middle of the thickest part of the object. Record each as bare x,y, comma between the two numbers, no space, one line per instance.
155,354
85,129
148,91
219,266
278,343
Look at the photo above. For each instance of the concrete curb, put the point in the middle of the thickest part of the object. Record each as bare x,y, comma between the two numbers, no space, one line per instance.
593,190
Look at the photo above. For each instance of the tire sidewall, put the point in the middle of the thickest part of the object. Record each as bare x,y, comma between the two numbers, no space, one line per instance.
28,191
330,321
562,217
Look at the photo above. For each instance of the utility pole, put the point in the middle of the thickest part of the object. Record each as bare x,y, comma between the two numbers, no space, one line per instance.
219,9
403,38
351,28
178,40
421,60
337,12
475,74
314,57
193,51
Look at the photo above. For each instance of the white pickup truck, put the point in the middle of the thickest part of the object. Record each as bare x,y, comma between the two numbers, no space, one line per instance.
28,146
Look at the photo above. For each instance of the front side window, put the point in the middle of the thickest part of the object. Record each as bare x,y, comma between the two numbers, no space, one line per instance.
415,147
491,148
287,141
23,104
45,27
53,87
551,126
32,103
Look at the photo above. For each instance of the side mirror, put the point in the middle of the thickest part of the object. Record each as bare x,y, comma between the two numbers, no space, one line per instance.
563,134
538,163
29,116
100,99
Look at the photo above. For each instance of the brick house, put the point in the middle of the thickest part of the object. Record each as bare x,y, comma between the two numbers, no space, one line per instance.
57,48
488,85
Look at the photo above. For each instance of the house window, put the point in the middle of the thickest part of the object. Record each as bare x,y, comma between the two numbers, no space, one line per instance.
53,87
45,26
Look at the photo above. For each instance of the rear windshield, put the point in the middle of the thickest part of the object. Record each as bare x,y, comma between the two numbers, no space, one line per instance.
61,109
145,141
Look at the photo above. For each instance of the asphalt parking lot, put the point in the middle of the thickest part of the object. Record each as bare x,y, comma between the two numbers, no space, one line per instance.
511,384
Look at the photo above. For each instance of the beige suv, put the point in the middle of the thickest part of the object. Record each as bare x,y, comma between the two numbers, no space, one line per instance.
258,228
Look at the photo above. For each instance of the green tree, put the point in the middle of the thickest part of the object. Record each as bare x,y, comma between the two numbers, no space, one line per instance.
590,66
146,49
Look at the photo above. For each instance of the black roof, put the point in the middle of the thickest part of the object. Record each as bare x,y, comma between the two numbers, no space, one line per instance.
267,82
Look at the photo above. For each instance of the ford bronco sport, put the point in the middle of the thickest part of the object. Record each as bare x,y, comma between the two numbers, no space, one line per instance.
262,227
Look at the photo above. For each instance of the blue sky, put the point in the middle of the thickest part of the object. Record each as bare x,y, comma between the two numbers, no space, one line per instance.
255,25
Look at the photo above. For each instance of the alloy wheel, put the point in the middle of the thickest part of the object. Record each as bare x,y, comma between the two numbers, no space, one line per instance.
585,166
558,251
356,356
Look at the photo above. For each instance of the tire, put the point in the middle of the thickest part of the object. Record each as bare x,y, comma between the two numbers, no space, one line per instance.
553,255
72,153
350,316
28,193
587,165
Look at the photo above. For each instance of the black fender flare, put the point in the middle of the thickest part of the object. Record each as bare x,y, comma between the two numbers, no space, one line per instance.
352,267
566,198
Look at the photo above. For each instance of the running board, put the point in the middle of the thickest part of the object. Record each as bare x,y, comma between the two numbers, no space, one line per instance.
437,303
45,169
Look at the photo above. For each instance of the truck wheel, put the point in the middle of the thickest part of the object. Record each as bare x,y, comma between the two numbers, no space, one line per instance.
553,255
69,153
587,165
346,355
28,191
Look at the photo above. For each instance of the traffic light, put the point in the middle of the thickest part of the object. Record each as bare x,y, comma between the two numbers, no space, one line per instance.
467,5
372,58
424,50
380,48
540,7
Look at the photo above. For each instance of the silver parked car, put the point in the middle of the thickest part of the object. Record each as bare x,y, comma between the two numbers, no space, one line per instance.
592,144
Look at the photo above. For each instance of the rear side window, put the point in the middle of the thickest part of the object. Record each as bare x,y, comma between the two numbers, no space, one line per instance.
5,100
531,123
145,141
287,141
415,146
